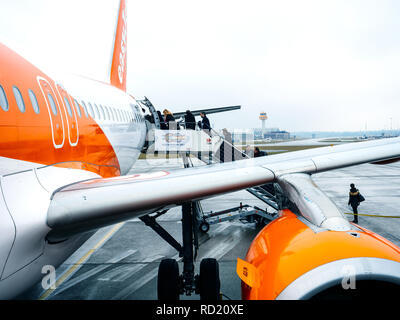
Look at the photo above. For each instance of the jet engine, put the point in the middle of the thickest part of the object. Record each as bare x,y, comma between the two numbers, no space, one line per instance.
313,252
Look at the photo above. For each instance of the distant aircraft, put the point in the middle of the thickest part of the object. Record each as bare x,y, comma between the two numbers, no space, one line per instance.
66,145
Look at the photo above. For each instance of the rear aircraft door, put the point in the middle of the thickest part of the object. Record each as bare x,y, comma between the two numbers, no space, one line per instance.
72,121
56,117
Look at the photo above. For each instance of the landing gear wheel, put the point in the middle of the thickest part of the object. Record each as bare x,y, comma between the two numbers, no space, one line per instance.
209,283
204,227
168,280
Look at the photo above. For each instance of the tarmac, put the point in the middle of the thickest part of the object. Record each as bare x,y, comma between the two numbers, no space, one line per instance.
123,263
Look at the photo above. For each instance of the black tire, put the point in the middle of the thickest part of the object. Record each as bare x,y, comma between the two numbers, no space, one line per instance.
168,280
209,283
204,227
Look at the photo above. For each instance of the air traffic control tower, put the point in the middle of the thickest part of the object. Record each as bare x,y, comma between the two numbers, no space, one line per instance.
263,117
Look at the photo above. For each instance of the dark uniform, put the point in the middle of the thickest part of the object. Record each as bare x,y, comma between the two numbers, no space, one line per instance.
171,123
205,123
354,201
190,121
163,126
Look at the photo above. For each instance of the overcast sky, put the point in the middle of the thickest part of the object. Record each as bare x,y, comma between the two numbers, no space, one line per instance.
326,65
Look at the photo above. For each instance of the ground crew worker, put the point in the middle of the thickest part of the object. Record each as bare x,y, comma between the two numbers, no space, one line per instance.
354,200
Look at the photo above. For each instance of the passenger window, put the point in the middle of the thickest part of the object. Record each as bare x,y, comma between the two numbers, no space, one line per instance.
3,99
111,114
52,104
19,99
91,112
103,115
107,113
96,109
68,106
85,109
78,109
34,102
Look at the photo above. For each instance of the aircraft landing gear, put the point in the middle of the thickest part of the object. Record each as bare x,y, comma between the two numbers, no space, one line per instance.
170,284
208,281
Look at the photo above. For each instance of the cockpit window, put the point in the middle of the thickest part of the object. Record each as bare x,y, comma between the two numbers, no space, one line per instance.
19,99
3,99
34,101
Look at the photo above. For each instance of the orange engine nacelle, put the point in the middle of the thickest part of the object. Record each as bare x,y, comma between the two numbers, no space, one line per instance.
293,259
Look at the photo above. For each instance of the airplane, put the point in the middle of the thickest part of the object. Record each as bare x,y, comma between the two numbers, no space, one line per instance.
67,144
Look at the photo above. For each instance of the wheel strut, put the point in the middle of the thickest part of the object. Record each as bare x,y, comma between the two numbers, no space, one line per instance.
207,283
187,239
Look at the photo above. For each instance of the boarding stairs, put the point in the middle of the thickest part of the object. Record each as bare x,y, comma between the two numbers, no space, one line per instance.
206,146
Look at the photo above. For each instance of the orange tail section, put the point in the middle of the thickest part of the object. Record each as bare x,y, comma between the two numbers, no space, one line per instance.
118,64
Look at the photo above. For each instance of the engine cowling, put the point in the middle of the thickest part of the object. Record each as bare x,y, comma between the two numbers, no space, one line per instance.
292,258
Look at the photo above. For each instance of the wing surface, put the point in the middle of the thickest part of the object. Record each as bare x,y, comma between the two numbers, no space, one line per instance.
98,202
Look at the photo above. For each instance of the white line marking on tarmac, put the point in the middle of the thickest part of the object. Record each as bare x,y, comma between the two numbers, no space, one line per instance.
139,283
124,272
223,248
94,271
67,274
217,253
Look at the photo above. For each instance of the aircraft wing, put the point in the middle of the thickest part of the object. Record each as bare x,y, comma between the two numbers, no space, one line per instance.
207,111
98,202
